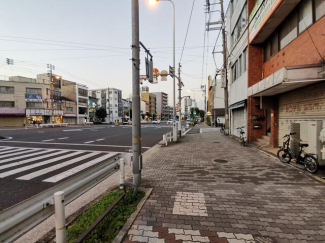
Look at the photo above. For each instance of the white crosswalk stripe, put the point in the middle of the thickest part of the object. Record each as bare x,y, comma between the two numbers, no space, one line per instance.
70,172
57,159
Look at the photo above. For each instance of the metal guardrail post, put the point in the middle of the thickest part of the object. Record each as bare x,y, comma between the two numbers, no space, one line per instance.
60,231
122,172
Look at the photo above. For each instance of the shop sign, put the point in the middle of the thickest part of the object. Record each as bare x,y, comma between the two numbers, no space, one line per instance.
33,97
260,14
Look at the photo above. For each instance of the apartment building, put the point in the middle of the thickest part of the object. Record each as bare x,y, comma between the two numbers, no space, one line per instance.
161,105
150,98
28,101
111,100
237,26
286,72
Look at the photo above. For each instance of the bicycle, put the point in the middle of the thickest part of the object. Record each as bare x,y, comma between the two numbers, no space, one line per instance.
241,137
285,155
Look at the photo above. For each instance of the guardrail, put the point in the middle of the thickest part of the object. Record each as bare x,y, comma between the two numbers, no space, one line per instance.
54,125
23,216
167,137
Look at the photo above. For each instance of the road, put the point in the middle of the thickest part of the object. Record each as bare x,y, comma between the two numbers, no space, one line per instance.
33,160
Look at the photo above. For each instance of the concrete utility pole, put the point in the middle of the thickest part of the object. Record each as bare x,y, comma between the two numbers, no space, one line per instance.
179,100
225,63
50,75
136,125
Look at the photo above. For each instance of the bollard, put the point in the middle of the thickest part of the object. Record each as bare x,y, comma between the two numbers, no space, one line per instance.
60,231
201,130
122,172
165,139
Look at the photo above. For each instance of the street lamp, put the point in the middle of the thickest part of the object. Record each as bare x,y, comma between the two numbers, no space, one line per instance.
153,2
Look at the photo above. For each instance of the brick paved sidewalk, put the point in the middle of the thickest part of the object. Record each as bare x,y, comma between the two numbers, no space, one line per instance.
197,200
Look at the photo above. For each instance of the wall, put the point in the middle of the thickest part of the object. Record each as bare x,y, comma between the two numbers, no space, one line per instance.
301,51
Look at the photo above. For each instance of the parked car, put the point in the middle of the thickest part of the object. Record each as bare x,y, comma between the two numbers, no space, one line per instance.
170,121
156,121
143,121
129,122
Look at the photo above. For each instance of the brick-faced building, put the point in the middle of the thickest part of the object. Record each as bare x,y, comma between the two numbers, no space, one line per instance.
286,70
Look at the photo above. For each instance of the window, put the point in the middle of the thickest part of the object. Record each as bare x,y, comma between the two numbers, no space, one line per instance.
274,45
33,104
7,90
83,92
305,15
56,95
110,92
82,110
245,60
33,91
240,67
69,109
115,111
234,72
83,101
7,104
115,105
319,9
115,92
288,31
240,25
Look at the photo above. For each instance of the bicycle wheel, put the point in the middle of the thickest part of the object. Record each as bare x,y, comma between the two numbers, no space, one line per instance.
311,164
284,156
243,142
221,130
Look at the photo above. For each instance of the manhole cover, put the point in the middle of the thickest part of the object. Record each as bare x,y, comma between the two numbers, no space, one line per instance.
216,142
220,161
263,239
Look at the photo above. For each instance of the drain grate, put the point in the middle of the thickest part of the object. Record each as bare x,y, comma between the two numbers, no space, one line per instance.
263,239
220,161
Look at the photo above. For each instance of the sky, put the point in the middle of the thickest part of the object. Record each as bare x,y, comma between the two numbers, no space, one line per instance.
88,41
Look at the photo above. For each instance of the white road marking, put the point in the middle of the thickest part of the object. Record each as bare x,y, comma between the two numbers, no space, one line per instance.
14,153
72,130
49,140
32,160
54,167
63,138
28,167
9,148
76,144
100,139
70,172
89,142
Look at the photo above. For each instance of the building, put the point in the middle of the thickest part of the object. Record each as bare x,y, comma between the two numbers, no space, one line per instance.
92,107
144,108
111,100
28,101
237,26
127,108
150,98
161,105
170,112
286,67
216,102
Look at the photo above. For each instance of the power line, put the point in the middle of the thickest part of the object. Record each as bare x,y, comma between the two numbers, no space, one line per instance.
188,26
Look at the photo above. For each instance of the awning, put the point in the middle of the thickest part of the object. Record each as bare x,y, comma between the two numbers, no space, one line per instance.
237,105
287,79
12,112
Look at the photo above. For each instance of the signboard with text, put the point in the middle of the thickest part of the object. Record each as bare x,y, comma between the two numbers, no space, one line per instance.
33,97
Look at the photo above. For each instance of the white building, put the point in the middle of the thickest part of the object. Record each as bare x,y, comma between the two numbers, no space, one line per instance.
111,100
237,27
82,103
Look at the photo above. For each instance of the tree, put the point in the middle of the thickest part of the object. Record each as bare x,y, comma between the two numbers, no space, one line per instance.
101,114
202,113
195,112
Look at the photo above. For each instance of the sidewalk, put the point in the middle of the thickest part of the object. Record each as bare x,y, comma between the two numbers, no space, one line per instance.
251,198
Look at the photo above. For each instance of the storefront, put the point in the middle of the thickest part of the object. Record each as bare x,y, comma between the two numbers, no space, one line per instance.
12,117
39,116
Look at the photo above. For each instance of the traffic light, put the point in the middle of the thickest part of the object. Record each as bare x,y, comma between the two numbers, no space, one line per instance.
171,71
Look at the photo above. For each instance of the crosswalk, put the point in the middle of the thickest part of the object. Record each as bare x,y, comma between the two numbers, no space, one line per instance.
47,165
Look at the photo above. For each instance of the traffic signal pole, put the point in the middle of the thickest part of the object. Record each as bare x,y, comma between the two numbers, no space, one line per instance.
136,125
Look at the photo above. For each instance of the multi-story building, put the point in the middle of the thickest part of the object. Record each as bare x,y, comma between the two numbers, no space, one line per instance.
144,108
28,101
93,106
111,100
127,108
237,26
286,71
161,105
150,98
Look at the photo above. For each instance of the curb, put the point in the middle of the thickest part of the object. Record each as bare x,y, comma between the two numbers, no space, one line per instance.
119,238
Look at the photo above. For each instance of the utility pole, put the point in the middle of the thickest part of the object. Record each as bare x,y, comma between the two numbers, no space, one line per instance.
179,100
225,63
50,75
136,126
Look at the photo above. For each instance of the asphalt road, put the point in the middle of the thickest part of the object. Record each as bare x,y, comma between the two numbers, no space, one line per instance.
33,160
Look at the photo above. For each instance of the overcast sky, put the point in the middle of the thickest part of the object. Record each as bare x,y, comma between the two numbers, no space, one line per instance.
37,32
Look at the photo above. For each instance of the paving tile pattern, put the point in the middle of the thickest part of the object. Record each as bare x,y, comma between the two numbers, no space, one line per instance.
251,195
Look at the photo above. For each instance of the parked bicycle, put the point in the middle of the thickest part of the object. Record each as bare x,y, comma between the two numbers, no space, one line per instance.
285,154
241,137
